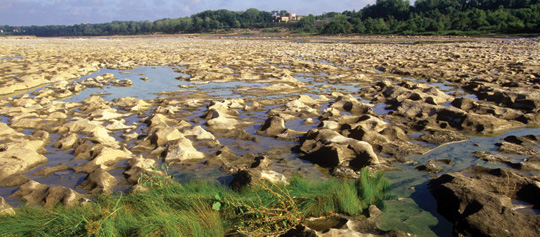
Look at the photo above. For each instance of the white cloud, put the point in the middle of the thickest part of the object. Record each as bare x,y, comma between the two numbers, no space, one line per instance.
186,10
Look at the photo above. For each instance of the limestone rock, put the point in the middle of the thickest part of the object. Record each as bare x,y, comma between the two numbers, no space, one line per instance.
371,123
477,205
93,103
7,131
106,114
159,120
83,126
487,124
429,167
181,150
199,133
298,107
66,142
130,136
30,123
222,123
247,177
103,156
16,158
329,124
512,148
272,126
46,171
14,181
417,92
5,209
101,136
139,165
117,125
309,121
36,193
350,104
99,181
123,83
165,135
132,104
330,149
274,177
527,140
306,99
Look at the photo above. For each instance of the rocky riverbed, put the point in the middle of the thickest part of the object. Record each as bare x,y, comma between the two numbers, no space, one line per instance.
82,116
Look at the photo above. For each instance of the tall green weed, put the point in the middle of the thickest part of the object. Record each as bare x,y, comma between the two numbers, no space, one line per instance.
201,209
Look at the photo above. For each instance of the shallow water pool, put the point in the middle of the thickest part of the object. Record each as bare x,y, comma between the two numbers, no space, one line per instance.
416,212
159,79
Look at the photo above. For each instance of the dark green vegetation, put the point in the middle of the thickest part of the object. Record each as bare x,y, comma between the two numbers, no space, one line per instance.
384,17
201,209
442,17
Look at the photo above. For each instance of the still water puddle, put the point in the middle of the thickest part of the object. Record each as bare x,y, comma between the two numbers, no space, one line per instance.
159,79
445,88
4,119
416,212
10,57
381,108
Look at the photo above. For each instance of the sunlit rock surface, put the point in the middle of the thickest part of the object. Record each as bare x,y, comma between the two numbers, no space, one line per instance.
92,109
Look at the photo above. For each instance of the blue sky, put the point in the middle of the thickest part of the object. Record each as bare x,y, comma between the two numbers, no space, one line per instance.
69,12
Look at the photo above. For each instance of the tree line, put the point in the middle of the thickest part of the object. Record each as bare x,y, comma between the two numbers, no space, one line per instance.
440,17
383,17
206,21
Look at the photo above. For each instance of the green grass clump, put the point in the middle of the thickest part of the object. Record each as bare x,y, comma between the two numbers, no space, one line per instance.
201,209
372,188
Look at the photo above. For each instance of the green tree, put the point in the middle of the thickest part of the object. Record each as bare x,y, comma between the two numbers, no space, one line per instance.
478,19
398,9
358,25
375,26
236,24
184,24
250,15
306,21
443,6
147,27
198,24
337,27
461,21
515,24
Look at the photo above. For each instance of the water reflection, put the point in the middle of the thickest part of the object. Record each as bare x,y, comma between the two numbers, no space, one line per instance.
159,79
410,186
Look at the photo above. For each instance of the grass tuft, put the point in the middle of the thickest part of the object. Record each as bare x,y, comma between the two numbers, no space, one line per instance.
201,209
372,188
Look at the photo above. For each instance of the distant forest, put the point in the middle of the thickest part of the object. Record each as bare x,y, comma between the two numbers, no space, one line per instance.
444,17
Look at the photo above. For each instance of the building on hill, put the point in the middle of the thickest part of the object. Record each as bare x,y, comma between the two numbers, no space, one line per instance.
287,18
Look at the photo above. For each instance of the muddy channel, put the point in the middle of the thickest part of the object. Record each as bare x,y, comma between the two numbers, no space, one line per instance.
81,116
